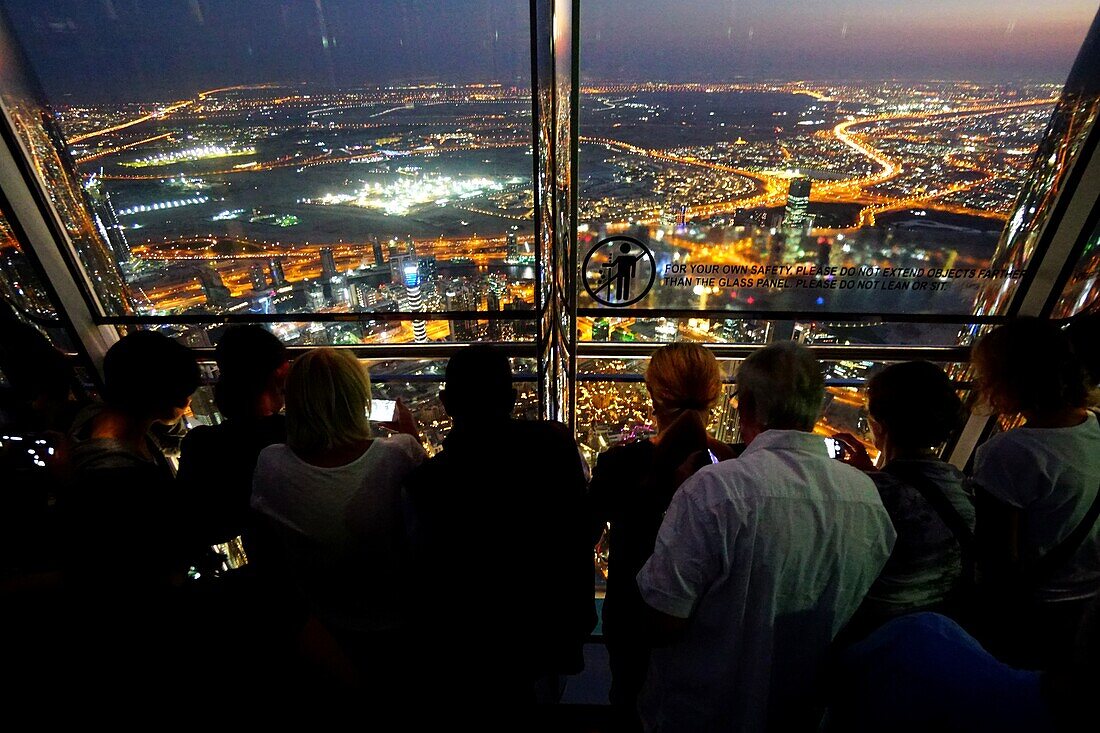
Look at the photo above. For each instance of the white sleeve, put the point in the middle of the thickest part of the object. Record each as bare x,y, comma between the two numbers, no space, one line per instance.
1007,470
411,447
686,558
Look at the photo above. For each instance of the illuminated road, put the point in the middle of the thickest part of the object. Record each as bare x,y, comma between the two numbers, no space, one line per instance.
844,191
294,161
119,149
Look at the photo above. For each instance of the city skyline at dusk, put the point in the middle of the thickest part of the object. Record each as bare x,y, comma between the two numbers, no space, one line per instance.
358,178
115,50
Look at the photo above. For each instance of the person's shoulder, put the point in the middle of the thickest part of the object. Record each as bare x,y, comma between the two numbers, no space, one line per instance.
627,452
1007,440
201,437
402,443
720,482
551,429
548,435
274,454
856,484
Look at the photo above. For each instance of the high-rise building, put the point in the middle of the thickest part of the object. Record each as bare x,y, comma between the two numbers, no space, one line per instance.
278,277
259,277
315,296
341,292
428,269
824,253
415,302
458,298
798,203
376,246
328,263
492,304
213,288
399,260
511,250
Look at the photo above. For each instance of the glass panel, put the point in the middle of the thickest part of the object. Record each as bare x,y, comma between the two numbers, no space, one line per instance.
20,286
416,382
704,327
231,150
23,294
355,332
613,404
1082,291
714,176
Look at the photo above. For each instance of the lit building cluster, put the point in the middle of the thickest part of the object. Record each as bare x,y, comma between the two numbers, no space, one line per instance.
405,194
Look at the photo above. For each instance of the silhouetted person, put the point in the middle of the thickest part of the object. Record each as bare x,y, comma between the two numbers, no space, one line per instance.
38,395
36,409
631,487
217,461
923,672
126,549
504,564
1084,335
1039,538
914,410
259,612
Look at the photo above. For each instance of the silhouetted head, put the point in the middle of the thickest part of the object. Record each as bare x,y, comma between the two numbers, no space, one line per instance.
1084,336
252,368
682,377
624,247
479,385
779,387
35,370
149,376
1029,366
327,401
913,405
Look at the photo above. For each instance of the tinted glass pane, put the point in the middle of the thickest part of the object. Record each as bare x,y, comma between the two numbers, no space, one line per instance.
416,382
1082,291
749,156
232,153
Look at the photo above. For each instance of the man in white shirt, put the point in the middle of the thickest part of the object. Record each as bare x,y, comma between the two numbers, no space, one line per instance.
759,563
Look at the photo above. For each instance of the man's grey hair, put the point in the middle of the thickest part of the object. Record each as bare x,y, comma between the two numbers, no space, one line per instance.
781,387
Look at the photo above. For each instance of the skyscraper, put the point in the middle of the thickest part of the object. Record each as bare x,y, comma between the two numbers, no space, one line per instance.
259,277
399,259
428,268
278,277
376,246
798,203
328,263
315,296
213,288
824,253
415,303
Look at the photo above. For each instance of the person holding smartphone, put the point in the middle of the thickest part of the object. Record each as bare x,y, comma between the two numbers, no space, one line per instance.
332,496
914,409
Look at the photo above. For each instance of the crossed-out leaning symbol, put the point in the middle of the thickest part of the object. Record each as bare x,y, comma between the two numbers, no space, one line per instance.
617,276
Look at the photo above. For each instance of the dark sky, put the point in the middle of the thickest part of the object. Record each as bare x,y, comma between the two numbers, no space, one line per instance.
91,50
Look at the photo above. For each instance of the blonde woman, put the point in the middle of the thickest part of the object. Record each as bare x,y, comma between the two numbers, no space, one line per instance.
332,494
631,487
